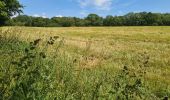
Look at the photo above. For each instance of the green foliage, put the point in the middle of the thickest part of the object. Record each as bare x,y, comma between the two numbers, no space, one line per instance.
39,21
28,76
3,13
130,19
94,20
129,86
9,8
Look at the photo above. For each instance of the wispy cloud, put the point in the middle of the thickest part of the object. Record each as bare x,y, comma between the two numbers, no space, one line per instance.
58,16
36,15
40,15
98,4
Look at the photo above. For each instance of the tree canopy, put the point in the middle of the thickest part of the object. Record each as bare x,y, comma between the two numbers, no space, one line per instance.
94,20
130,19
9,8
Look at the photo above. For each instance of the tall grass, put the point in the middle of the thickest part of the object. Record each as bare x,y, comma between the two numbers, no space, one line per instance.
43,70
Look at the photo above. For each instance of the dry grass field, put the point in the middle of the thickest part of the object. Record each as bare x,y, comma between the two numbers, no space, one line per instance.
109,48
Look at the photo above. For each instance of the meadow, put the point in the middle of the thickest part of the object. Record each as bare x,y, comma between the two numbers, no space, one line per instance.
85,63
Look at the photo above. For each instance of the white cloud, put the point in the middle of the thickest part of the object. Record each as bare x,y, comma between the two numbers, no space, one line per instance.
42,15
98,4
58,16
36,15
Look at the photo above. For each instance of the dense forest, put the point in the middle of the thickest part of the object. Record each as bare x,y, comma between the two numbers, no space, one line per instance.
130,19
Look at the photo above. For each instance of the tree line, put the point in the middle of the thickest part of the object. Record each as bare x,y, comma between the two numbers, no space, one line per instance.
130,19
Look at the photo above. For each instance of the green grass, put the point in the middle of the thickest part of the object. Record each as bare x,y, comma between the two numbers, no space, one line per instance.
85,63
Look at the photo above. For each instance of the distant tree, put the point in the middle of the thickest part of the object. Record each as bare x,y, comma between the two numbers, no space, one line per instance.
22,20
63,21
118,21
39,22
94,20
67,21
55,21
9,8
143,21
153,19
108,21
79,22
132,19
166,19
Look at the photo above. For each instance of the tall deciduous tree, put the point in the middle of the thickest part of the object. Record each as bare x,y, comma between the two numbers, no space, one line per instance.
9,8
94,20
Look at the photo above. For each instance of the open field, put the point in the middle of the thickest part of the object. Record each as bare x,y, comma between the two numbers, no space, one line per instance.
102,52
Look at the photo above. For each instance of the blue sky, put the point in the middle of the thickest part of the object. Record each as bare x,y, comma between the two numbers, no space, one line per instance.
81,8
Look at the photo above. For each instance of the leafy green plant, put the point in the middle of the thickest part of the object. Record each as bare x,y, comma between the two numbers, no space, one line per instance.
127,86
29,76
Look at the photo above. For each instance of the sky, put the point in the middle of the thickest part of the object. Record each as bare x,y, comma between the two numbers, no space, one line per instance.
81,8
